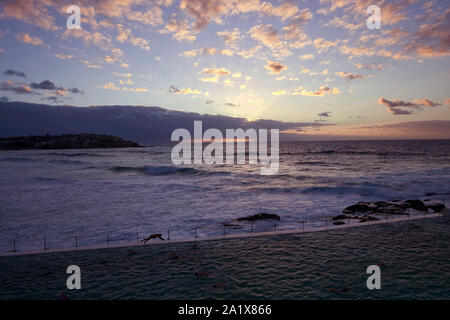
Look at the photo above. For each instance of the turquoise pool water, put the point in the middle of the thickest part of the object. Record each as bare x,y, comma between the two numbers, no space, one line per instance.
415,261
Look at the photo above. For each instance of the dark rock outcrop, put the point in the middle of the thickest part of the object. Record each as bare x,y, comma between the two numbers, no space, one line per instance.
391,208
340,217
65,141
259,216
368,218
437,207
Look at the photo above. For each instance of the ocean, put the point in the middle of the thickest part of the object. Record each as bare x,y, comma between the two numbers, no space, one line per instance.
127,193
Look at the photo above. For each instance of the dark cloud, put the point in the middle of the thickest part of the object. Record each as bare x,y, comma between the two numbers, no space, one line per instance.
138,123
350,76
229,104
174,89
275,67
45,85
48,85
75,90
396,103
400,107
325,114
16,73
358,117
209,101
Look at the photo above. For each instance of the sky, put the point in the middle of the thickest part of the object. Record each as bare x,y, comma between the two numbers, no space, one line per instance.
312,62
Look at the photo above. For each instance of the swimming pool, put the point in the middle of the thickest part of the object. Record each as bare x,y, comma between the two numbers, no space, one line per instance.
415,260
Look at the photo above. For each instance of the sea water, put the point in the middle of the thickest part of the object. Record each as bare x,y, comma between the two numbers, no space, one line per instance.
127,193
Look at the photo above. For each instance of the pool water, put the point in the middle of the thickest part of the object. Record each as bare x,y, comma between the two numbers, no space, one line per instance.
414,258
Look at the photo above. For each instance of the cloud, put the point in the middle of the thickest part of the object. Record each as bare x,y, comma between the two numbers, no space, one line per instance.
143,124
110,86
275,67
205,51
325,114
306,57
231,38
26,38
44,85
400,107
32,12
64,56
209,102
176,90
350,76
180,30
340,22
16,88
294,30
321,92
10,72
125,75
215,71
431,40
229,104
426,103
323,45
4,99
249,53
268,36
369,66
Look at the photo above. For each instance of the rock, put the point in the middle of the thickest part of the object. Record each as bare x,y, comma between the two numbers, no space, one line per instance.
415,204
340,217
359,207
368,218
259,216
437,207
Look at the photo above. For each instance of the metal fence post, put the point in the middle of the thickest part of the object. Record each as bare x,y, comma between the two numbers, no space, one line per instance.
14,246
137,237
196,233
251,227
76,241
45,244
168,234
224,226
326,223
107,239
275,227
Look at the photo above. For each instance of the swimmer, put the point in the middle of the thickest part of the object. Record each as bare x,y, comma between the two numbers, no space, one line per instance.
152,236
